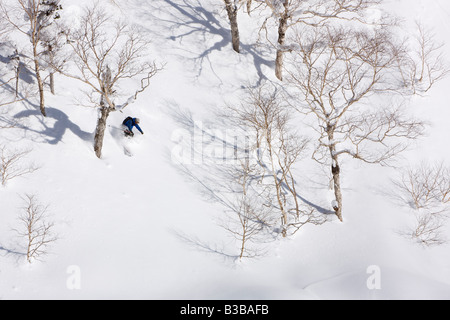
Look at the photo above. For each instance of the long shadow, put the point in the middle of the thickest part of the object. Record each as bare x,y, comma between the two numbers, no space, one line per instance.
186,121
194,21
11,252
203,246
14,254
53,134
213,177
25,74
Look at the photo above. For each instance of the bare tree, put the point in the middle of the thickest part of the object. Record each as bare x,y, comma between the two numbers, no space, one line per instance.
38,16
249,217
250,170
278,149
424,64
289,13
106,53
428,230
425,186
336,70
11,164
14,60
35,228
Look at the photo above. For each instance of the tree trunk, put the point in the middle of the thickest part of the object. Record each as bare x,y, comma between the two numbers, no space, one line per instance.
249,6
106,107
282,28
335,171
41,90
51,55
17,79
232,11
279,189
100,130
39,79
52,82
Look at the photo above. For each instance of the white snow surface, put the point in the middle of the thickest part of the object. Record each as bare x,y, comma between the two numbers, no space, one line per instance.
137,228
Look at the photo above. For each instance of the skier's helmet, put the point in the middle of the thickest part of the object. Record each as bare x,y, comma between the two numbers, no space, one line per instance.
138,120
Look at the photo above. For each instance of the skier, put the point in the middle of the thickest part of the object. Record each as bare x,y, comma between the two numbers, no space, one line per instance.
129,123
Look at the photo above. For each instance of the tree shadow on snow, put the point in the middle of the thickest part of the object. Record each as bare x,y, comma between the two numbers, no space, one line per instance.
211,172
212,175
189,20
25,74
53,134
9,252
26,82
202,246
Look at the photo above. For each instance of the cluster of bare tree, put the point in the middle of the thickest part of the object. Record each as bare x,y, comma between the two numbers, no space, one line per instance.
346,74
339,74
102,52
265,175
34,227
425,186
287,14
426,189
106,52
12,164
252,170
342,68
33,18
350,74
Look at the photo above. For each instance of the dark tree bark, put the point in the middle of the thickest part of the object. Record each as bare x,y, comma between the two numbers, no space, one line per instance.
100,130
232,11
282,28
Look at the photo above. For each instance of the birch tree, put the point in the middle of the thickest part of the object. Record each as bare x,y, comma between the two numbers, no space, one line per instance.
249,167
12,164
232,7
426,186
426,189
279,149
289,13
31,17
232,10
36,228
107,52
249,217
336,70
424,64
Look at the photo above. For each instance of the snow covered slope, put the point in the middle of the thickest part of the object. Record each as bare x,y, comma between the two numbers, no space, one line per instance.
136,228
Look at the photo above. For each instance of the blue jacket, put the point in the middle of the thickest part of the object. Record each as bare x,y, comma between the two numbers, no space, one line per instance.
130,123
